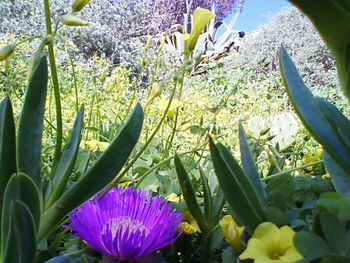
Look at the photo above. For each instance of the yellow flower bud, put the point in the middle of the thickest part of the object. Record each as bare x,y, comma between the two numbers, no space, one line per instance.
79,4
187,228
173,198
201,18
6,51
232,232
70,20
149,42
34,61
160,47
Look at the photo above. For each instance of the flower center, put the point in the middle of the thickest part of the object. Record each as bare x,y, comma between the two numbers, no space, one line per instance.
123,224
275,255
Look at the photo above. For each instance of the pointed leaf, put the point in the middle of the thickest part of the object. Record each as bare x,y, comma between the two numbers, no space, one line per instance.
335,233
67,161
21,244
249,166
207,194
315,113
7,149
339,177
218,204
189,194
102,172
30,127
21,188
237,188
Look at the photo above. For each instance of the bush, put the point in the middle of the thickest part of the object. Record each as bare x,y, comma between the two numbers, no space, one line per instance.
294,31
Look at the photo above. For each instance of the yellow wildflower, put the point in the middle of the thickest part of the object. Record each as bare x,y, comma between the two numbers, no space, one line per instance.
271,244
173,198
162,105
232,232
190,224
187,228
201,18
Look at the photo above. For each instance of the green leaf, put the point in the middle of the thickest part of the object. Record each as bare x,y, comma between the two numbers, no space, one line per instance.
311,246
67,161
30,129
335,233
102,172
319,117
59,259
238,190
218,204
21,188
21,244
207,195
249,166
189,194
7,149
340,179
335,32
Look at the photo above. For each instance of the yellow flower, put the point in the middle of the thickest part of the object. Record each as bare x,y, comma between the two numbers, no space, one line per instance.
201,18
187,228
162,105
270,244
190,224
173,198
94,145
232,232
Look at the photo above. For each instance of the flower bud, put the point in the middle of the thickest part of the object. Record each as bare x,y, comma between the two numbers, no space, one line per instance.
232,232
6,51
79,4
70,20
34,62
149,42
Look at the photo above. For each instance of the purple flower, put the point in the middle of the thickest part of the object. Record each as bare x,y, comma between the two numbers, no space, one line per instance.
126,224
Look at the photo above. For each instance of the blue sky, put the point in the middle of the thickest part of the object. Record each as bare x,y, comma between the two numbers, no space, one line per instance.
254,13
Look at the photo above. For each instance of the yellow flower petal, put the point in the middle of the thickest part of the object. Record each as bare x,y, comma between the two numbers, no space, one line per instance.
266,259
291,255
286,239
201,18
232,232
267,232
255,249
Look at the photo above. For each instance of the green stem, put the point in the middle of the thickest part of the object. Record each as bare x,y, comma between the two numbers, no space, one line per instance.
56,87
292,170
158,165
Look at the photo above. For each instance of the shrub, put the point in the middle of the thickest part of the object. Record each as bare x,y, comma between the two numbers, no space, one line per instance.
294,31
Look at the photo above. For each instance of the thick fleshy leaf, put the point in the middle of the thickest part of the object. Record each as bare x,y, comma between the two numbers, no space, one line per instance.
339,177
21,244
60,259
30,129
323,120
102,172
21,188
207,195
335,32
238,190
7,149
335,233
311,246
67,160
218,204
249,166
189,194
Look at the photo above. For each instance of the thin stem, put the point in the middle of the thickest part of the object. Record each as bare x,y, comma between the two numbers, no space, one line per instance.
56,87
291,170
147,142
158,165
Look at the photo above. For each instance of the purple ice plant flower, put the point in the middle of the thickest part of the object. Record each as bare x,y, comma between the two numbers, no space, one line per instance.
126,224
